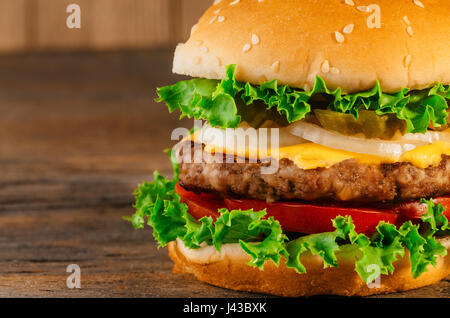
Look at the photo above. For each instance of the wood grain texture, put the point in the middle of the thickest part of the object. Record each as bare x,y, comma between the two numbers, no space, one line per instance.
106,24
40,25
78,132
190,14
13,26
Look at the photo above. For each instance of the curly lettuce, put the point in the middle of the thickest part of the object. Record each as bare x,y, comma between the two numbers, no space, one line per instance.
215,101
159,206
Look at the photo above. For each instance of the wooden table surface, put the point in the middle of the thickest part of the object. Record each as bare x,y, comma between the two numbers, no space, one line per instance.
78,132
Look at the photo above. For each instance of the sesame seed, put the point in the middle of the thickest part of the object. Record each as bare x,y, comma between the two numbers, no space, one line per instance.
410,31
419,3
197,60
204,49
217,11
407,60
348,28
194,27
325,68
349,2
213,19
255,39
363,8
334,70
405,18
276,66
247,47
221,19
234,2
260,0
339,37
217,2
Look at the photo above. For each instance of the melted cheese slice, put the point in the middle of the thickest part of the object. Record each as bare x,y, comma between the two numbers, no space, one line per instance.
313,156
309,155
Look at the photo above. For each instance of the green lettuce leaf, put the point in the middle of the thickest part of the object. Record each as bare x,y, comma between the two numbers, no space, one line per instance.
230,227
423,250
324,244
272,246
263,239
198,99
423,247
434,217
381,253
215,101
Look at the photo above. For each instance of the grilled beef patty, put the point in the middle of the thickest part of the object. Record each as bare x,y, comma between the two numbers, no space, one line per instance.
347,181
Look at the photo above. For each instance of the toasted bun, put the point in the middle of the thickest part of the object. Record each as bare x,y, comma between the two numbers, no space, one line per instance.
295,40
228,269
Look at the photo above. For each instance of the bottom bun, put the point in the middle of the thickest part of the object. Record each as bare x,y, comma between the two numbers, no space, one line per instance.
229,269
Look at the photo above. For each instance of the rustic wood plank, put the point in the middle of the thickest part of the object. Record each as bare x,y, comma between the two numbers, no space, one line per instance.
153,24
106,24
49,25
115,261
125,23
13,31
77,133
191,13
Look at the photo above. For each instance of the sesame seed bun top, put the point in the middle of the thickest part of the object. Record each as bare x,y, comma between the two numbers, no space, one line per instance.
349,43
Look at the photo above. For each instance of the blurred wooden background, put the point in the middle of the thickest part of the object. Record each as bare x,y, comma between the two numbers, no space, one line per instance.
40,25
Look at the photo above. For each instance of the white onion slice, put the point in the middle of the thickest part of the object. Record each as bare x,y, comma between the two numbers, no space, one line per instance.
429,137
231,138
376,147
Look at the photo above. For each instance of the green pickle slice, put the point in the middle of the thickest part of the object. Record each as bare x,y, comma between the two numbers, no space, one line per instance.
368,123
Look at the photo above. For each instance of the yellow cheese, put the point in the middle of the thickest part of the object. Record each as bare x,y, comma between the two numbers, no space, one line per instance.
425,156
312,156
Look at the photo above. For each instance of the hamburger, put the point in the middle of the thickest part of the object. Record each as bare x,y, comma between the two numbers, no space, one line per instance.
345,189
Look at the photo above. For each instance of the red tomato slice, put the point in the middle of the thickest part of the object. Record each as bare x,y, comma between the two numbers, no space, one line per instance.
200,205
307,218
